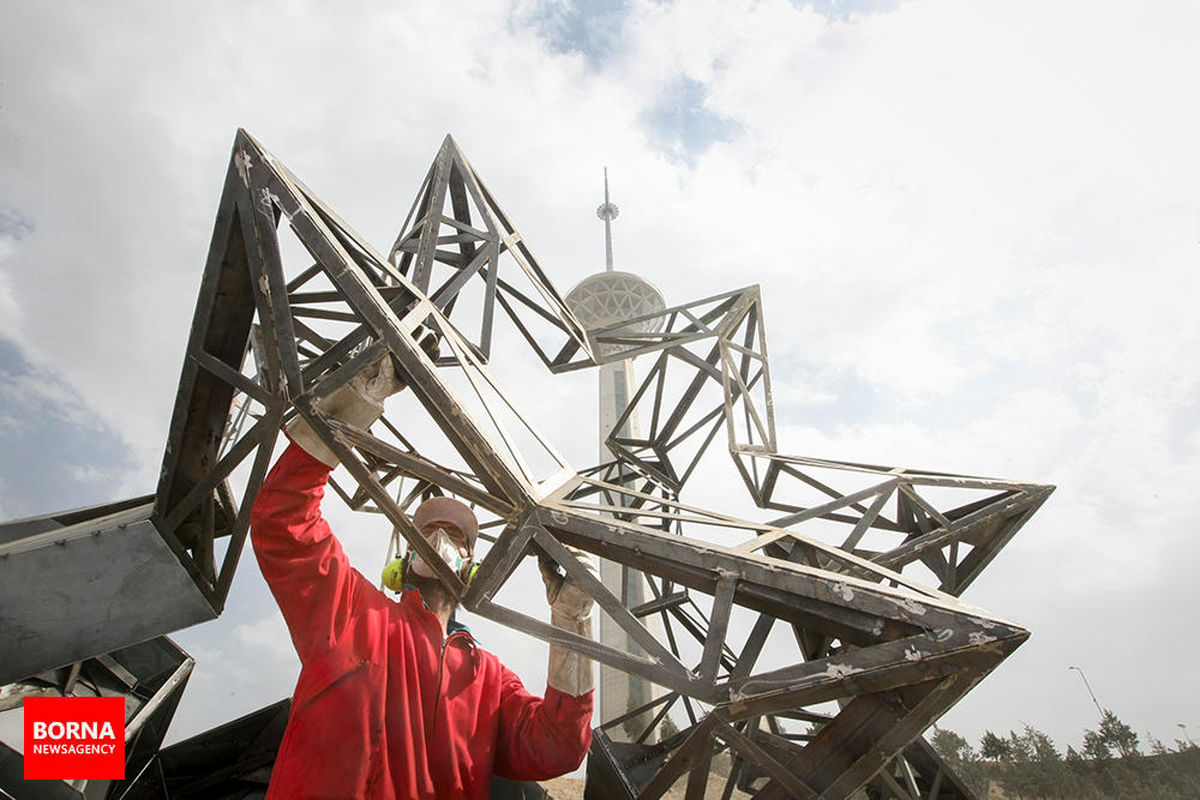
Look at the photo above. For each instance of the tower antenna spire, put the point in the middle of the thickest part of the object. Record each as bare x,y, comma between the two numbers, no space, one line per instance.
607,211
622,300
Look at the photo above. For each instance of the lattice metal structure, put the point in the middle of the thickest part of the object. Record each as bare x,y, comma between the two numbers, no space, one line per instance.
801,654
798,656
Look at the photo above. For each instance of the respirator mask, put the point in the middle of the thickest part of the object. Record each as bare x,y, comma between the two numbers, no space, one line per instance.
447,550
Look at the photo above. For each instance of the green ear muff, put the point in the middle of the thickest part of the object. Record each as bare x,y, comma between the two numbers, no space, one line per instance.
393,573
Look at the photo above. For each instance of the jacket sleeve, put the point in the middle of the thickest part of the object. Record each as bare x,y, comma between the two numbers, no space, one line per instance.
540,738
302,561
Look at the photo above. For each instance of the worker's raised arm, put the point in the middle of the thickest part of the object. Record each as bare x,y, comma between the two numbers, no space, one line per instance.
300,558
541,738
302,561
546,737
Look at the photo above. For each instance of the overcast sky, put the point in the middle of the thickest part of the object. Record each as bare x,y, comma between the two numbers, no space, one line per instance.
975,225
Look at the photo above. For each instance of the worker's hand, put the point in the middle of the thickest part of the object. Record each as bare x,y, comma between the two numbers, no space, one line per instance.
569,671
567,598
359,402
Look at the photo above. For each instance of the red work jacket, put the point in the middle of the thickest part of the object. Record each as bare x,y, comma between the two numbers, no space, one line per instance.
385,707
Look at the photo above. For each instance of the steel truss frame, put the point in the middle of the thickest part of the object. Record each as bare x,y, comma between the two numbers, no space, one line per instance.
874,656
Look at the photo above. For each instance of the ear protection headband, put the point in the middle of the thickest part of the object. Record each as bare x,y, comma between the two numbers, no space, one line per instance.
395,570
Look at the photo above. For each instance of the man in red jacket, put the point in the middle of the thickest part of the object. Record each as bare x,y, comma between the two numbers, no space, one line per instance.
394,699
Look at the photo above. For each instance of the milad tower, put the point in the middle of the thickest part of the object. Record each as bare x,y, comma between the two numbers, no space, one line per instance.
600,300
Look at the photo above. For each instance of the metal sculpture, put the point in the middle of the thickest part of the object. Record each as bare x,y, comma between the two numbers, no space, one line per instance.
871,657
892,652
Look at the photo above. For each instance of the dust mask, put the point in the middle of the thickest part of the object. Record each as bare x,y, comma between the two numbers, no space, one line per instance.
446,549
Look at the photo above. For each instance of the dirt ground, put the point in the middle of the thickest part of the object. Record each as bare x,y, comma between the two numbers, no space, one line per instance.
572,789
564,788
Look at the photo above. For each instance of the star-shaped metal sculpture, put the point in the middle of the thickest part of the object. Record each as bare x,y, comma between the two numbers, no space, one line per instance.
885,654
796,655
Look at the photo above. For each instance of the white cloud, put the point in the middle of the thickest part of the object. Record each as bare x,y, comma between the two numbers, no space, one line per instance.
29,397
980,216
9,309
268,634
88,474
923,176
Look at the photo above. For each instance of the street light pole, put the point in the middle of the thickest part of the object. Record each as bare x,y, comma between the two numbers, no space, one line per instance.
1185,733
1089,690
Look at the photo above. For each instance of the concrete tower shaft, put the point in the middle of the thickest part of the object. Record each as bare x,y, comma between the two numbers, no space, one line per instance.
601,300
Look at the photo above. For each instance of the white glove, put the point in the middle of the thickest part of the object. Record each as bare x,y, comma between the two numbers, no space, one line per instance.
359,402
571,610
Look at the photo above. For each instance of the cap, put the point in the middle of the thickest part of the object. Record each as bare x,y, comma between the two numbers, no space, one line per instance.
448,511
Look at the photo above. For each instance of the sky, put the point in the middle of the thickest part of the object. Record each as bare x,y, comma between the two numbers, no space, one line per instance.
975,224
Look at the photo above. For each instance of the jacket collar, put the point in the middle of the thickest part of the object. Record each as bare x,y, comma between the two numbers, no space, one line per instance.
413,594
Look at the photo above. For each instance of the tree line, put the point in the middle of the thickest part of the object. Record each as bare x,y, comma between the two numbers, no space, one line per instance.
1027,764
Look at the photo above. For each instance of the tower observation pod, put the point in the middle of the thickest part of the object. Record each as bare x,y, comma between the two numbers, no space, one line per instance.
605,299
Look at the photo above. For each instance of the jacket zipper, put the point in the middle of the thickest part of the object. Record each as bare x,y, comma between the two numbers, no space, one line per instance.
437,700
437,703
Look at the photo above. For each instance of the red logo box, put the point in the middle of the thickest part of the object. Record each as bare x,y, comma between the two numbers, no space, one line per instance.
74,738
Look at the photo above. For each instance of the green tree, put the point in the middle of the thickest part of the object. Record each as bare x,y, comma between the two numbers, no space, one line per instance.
994,748
1114,735
950,746
1036,768
958,753
1120,735
1042,745
1095,746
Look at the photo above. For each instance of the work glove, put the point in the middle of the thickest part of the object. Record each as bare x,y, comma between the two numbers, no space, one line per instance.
360,401
570,610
